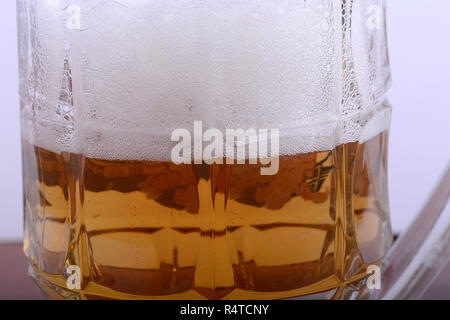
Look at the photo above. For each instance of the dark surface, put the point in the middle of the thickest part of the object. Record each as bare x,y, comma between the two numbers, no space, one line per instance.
15,284
14,281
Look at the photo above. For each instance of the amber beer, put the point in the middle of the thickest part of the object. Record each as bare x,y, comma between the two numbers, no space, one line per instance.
150,229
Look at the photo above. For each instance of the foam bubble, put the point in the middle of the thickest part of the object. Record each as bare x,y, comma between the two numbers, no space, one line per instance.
136,70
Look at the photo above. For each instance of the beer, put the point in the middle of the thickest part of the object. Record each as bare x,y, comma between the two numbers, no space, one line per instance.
106,85
153,229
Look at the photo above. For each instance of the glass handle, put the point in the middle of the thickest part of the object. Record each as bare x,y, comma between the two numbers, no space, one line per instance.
421,253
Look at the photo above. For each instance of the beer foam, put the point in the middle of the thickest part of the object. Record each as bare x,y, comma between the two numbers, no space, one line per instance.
114,79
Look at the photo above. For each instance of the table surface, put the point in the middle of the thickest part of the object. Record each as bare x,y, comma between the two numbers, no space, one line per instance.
15,284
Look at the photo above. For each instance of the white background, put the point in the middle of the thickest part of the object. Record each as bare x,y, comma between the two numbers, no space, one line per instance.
419,39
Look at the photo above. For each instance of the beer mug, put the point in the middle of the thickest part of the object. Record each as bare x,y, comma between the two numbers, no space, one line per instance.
205,149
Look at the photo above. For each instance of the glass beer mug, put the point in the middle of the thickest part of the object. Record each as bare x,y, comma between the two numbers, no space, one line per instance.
205,149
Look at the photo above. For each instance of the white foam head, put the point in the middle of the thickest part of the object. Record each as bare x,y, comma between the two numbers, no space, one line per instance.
115,78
